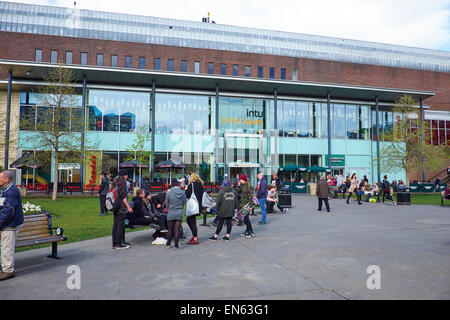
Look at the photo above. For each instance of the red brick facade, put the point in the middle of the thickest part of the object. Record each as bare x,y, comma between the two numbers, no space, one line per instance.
21,46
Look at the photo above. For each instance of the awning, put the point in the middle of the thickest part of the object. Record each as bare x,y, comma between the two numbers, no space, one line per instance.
25,73
171,164
133,164
291,168
318,169
27,160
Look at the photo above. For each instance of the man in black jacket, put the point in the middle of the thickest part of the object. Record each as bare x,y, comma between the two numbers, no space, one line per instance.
104,187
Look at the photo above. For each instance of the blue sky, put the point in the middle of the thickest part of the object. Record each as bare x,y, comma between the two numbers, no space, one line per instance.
418,23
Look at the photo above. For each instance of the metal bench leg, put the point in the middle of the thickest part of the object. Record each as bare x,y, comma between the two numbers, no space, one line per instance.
54,254
204,224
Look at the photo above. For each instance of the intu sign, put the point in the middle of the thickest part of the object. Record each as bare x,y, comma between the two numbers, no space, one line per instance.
236,115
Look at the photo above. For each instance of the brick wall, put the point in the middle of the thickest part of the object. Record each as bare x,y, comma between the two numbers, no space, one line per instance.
21,46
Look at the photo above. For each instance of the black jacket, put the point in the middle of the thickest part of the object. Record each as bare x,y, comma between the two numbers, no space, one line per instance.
104,187
160,198
198,188
138,212
122,193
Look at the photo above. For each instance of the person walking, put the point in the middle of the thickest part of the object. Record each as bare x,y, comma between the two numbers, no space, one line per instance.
120,212
175,201
246,191
227,204
261,195
322,193
353,188
386,189
11,221
195,187
102,191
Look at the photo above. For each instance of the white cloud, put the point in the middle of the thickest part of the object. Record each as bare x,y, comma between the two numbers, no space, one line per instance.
420,23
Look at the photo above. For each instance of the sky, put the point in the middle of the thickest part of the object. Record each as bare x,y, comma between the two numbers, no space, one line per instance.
417,23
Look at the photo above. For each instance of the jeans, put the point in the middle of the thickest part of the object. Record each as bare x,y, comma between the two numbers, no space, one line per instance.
262,205
118,231
103,204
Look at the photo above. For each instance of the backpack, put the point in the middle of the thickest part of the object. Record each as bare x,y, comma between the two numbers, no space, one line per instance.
111,200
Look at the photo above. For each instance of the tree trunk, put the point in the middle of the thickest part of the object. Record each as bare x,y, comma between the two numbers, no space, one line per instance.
140,177
55,180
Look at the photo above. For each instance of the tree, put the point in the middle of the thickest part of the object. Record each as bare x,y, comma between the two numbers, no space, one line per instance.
58,125
403,146
139,149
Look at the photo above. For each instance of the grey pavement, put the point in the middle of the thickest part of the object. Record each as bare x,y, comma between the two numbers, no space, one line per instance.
301,255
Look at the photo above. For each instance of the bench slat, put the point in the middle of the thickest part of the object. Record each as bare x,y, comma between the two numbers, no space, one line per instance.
31,237
35,223
28,227
33,219
34,232
25,243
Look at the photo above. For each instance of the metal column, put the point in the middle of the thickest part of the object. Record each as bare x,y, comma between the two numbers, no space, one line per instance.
216,126
423,139
83,130
8,119
329,128
377,125
275,128
153,105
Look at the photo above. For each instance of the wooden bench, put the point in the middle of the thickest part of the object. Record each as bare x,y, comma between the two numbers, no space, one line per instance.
37,229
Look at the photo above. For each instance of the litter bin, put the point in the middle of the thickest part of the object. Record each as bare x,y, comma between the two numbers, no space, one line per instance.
285,198
403,198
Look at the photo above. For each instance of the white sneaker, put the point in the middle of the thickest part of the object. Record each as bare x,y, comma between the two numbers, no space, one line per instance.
159,241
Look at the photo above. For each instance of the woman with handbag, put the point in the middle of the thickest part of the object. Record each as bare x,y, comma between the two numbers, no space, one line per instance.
194,193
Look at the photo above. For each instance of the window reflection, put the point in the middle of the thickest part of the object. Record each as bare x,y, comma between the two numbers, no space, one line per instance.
289,118
302,119
352,123
339,121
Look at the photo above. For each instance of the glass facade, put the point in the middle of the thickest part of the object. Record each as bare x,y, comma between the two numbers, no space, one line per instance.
111,110
185,128
114,60
69,57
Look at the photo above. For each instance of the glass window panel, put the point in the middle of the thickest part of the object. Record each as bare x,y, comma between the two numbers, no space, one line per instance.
142,62
314,116
196,67
127,61
162,113
113,60
388,126
247,71
303,161
54,56
294,74
157,63
363,122
235,70
27,117
183,66
69,57
99,59
290,159
205,105
210,68
84,57
272,73
75,119
170,65
223,69
339,120
190,114
447,126
302,119
351,115
260,71
38,55
175,110
283,74
435,130
44,117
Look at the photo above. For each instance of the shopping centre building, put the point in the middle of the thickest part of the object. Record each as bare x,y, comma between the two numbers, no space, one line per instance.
221,99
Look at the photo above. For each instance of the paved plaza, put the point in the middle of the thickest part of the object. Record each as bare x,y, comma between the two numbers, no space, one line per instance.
301,255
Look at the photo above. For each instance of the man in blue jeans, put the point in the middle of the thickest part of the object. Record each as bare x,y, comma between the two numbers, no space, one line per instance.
262,195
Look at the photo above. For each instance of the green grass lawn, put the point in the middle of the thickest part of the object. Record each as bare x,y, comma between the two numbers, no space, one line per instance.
429,199
79,216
